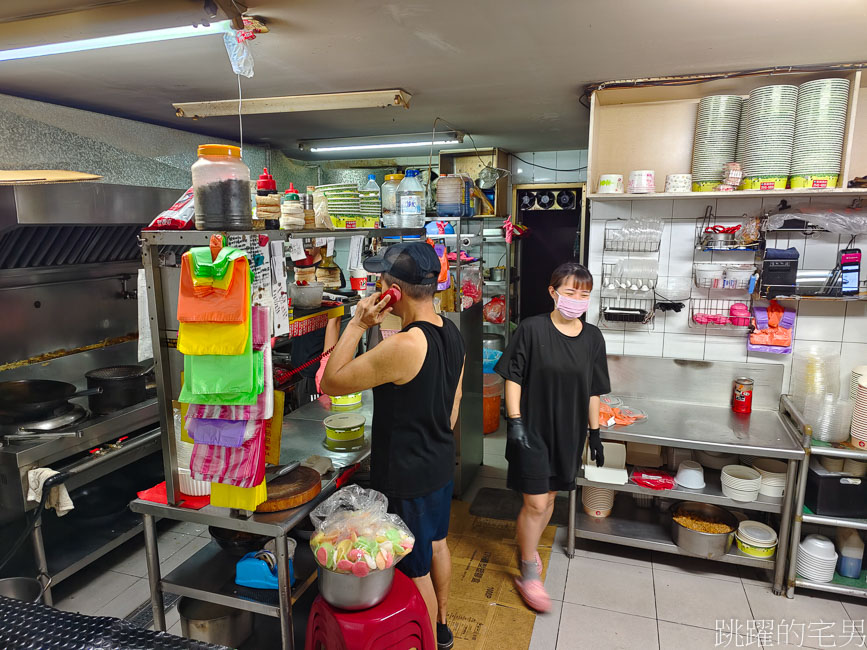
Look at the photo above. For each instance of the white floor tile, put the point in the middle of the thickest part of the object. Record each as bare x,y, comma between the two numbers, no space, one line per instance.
127,602
613,553
588,627
699,601
856,609
818,621
555,578
175,629
130,558
546,628
97,589
695,566
758,577
479,483
684,637
608,585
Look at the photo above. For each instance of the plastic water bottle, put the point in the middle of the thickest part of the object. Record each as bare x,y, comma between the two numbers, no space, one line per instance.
371,204
371,185
410,200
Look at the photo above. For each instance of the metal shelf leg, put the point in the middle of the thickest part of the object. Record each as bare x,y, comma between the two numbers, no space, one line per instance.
570,541
154,578
785,529
797,515
287,633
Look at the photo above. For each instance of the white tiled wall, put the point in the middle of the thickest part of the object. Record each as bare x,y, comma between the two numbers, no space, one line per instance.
835,328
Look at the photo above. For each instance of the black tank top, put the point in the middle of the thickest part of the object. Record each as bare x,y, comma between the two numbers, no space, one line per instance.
413,448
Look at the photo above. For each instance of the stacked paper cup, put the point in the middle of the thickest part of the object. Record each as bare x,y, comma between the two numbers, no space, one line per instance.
859,416
769,140
597,502
857,373
716,135
820,123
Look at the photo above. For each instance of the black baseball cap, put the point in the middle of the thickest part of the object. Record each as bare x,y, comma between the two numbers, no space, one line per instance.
412,262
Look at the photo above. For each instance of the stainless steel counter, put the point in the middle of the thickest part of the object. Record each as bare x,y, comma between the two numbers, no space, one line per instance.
708,428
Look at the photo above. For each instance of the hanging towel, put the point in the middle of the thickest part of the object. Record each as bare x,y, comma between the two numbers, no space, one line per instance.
58,497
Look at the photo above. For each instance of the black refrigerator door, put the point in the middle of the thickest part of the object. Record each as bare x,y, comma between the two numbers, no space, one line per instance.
550,244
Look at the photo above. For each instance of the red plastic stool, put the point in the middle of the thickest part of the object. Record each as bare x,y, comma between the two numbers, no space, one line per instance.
400,622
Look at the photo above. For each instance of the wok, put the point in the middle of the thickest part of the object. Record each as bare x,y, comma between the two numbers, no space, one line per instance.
36,397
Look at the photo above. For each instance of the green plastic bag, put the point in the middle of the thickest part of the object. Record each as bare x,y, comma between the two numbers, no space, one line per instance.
187,396
204,266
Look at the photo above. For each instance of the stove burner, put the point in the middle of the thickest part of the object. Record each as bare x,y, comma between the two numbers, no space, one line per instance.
61,417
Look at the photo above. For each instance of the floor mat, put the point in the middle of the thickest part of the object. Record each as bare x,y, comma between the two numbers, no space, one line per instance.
485,610
497,503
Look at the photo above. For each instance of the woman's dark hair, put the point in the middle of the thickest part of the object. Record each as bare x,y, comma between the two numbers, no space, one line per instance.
583,278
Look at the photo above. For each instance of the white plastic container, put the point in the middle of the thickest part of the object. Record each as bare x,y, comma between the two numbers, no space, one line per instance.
410,201
371,185
390,207
851,550
738,277
709,276
221,189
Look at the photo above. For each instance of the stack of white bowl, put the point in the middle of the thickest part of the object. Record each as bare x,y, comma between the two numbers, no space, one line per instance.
716,136
741,483
690,475
597,502
741,147
715,459
756,539
859,416
773,476
820,124
833,465
857,373
817,558
769,139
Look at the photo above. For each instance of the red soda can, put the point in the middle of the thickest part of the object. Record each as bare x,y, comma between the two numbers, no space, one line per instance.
742,398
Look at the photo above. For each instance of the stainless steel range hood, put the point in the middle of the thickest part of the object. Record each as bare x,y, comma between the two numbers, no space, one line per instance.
61,224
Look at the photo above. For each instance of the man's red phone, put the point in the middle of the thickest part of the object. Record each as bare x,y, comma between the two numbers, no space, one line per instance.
394,292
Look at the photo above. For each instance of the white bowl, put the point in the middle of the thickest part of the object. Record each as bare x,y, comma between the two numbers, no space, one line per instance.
192,487
736,475
819,546
757,534
743,496
690,475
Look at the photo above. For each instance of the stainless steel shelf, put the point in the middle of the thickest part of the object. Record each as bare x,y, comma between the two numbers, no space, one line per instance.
834,191
646,528
832,587
201,237
840,522
838,452
712,493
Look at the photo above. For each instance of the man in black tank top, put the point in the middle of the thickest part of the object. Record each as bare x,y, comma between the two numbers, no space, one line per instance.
416,377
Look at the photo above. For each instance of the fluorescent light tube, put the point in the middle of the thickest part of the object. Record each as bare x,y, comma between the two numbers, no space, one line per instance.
397,145
134,38
296,103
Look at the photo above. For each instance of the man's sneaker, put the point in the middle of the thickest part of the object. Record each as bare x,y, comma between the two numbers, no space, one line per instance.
445,638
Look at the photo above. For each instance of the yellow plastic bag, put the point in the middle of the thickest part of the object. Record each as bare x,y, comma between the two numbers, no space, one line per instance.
216,338
229,496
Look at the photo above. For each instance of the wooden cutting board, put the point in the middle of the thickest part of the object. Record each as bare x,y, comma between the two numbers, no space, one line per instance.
292,490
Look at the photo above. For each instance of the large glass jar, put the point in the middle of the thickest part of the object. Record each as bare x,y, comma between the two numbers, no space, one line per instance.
221,189
390,208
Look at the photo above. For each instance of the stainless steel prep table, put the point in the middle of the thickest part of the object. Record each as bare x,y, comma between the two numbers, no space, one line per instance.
710,426
209,574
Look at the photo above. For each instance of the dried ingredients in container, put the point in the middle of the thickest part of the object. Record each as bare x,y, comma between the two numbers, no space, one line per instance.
701,524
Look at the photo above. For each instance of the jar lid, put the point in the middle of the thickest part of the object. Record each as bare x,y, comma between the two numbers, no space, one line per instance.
344,421
219,150
393,177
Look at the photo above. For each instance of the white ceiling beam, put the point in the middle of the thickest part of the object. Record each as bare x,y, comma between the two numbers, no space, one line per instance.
295,103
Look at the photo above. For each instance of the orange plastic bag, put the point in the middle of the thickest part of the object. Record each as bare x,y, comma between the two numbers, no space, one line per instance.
210,303
217,338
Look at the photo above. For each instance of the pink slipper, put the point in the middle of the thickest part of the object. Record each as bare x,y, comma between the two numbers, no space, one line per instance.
534,594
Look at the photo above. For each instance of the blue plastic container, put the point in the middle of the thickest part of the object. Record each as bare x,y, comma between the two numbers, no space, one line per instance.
489,360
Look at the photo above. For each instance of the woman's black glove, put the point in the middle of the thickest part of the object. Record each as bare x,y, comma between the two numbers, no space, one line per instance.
515,432
597,451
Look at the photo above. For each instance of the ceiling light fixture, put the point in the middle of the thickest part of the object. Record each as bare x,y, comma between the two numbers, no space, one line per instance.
400,141
133,38
295,103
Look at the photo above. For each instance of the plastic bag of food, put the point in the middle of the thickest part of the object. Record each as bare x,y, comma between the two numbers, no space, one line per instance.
181,216
355,534
239,52
495,310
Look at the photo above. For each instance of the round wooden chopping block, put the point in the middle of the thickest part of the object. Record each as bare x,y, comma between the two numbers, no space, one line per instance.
292,490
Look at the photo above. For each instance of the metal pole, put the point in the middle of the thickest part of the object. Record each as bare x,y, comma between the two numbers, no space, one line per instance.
154,578
797,514
41,559
785,528
287,632
570,542
162,367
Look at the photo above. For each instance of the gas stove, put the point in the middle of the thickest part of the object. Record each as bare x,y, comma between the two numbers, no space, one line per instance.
58,422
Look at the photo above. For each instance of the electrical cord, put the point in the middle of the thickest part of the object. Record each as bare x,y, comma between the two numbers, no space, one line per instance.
50,482
550,169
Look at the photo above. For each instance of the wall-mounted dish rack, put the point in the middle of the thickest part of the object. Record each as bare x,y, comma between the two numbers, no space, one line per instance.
714,313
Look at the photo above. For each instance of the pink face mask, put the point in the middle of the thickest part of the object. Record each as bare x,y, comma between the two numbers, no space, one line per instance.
571,308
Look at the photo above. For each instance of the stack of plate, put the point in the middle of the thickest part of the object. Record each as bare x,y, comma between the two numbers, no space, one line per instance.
857,373
716,135
741,483
343,200
833,465
817,558
756,539
859,416
820,124
597,502
740,148
770,129
715,459
371,207
773,476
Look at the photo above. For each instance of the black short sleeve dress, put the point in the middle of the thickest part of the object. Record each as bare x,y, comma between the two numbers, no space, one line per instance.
558,374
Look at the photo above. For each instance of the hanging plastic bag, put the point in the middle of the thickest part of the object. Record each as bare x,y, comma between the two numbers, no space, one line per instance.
495,310
239,52
207,302
250,398
181,216
320,210
355,534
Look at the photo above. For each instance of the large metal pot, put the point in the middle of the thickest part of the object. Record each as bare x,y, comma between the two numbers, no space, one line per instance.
201,621
706,545
121,386
493,341
27,589
348,591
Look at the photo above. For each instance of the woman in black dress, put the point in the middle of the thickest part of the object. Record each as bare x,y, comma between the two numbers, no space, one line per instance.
555,369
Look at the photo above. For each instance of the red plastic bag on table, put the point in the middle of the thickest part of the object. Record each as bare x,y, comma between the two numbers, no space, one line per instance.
655,479
495,310
181,216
